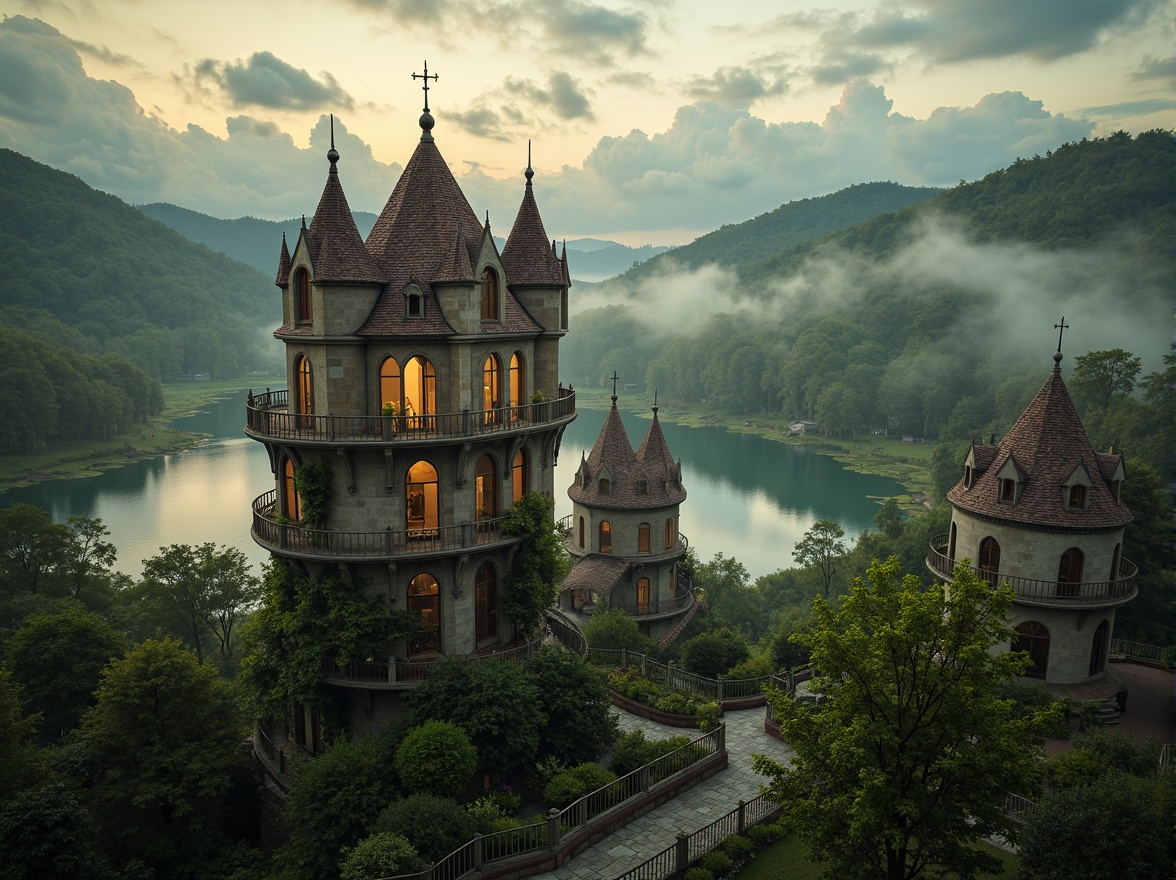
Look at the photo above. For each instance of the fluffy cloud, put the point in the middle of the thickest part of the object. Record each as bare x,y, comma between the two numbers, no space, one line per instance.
737,86
519,105
265,80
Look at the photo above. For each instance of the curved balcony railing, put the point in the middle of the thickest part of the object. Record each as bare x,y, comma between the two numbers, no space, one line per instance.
270,531
1031,591
680,545
268,416
683,599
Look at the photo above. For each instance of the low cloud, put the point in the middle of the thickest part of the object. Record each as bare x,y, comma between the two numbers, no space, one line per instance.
736,86
264,80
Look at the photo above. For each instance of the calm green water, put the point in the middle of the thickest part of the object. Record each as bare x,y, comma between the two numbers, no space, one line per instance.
748,498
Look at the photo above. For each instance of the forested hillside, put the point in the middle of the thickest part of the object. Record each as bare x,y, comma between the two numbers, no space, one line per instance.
792,223
86,271
934,321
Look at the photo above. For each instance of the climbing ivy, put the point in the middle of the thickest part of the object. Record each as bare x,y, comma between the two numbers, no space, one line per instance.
313,484
539,565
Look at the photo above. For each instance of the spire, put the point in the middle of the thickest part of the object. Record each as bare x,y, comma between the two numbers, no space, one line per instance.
1061,327
426,120
456,266
526,256
283,265
332,154
333,242
530,172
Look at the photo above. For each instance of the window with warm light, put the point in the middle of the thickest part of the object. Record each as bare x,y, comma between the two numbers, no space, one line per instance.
605,543
643,538
424,602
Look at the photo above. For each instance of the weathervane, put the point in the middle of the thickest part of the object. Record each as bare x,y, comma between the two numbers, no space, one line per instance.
1061,328
426,77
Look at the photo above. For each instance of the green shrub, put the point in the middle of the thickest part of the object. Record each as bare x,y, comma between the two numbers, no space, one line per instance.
738,848
708,714
613,628
633,750
718,863
571,785
754,667
677,704
484,813
629,682
547,769
436,757
508,802
435,826
381,855
698,874
712,653
762,835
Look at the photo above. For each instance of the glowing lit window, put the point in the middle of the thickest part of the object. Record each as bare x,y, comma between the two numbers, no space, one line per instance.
605,537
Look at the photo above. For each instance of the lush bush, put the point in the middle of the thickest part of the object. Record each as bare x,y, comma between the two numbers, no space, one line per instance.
718,863
677,704
785,653
1102,751
385,854
435,826
571,785
633,750
506,800
629,682
762,835
613,628
756,666
738,847
436,757
710,654
698,874
1028,696
574,697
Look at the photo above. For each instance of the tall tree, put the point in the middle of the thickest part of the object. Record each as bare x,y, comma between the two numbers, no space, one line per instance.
31,545
905,764
823,548
88,558
1100,376
539,565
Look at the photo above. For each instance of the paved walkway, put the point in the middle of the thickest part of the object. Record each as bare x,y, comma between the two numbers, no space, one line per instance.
647,836
1151,701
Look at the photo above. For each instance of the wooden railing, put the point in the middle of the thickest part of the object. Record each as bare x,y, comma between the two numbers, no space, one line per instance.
679,679
595,809
271,531
268,415
1090,594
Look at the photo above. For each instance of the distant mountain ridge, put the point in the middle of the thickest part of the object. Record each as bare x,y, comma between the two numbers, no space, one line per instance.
257,242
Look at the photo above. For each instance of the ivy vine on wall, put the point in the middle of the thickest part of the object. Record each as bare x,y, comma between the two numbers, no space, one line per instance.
312,481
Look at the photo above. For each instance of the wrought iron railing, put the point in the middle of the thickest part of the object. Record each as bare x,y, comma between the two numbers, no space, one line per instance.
564,630
272,531
565,524
679,679
1042,592
1137,651
268,415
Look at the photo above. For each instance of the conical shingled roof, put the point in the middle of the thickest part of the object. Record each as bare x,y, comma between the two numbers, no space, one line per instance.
283,277
1047,444
526,255
613,454
456,266
336,249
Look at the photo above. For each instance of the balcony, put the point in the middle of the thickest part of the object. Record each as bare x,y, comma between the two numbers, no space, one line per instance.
645,612
1045,594
291,539
678,548
269,418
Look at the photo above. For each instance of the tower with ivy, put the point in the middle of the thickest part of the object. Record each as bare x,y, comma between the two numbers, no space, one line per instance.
424,399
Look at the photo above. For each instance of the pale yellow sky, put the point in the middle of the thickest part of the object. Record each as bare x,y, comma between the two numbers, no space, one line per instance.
750,83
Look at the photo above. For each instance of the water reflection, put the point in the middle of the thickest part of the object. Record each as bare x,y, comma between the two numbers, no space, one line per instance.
748,498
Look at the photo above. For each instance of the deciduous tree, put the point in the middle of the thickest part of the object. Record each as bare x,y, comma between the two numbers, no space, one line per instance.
1100,376
822,547
539,564
906,761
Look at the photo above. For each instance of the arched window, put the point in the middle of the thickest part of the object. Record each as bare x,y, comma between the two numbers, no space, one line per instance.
414,305
563,309
303,390
1077,496
1033,639
1114,567
390,388
486,603
290,494
302,297
643,538
967,476
420,392
485,489
643,595
1098,649
491,387
990,559
489,295
605,486
1070,573
643,487
581,533
424,601
605,536
951,541
420,501
518,474
518,385
669,533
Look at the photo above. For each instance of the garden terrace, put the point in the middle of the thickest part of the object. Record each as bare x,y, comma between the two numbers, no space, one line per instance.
731,693
292,539
1030,591
268,418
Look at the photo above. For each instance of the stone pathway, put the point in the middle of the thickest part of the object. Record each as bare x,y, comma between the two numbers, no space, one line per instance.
647,836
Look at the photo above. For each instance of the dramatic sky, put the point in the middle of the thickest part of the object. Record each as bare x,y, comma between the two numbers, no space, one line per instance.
652,120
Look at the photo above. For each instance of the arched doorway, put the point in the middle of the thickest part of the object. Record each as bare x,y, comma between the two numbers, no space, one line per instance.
424,601
518,475
303,391
486,603
1033,639
605,543
990,560
293,503
491,388
643,595
1098,648
390,386
1070,573
485,490
518,385
420,501
420,392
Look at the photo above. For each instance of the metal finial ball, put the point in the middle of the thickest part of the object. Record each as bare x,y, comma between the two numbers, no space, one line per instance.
332,155
427,121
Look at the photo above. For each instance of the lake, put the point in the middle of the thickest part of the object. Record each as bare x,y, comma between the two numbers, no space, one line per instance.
747,497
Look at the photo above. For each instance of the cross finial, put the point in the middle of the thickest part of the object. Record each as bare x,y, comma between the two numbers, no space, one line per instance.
1061,328
655,401
426,76
614,381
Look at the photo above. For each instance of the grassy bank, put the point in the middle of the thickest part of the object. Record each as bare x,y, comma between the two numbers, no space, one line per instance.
88,458
906,463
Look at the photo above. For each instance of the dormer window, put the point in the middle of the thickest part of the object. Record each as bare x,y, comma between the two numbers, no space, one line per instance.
1010,482
1077,497
1117,490
302,297
1076,489
642,487
490,310
1008,490
605,486
414,306
967,476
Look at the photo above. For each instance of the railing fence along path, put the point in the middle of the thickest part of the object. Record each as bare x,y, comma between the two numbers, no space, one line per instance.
562,826
680,680
1138,651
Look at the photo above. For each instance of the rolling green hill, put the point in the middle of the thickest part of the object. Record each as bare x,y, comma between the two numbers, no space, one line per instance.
86,271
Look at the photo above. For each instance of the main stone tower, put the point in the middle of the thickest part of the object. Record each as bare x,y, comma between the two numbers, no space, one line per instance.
1043,511
423,366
